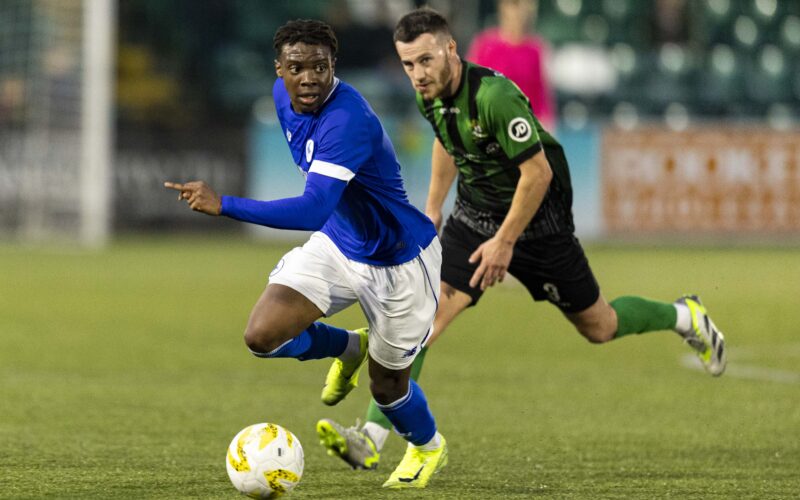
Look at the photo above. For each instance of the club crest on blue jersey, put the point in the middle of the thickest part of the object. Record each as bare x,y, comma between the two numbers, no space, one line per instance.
289,136
309,150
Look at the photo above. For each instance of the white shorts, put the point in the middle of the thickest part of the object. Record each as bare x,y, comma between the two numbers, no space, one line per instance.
398,301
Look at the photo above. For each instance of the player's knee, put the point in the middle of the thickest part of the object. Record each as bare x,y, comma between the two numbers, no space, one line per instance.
387,390
596,333
261,339
597,324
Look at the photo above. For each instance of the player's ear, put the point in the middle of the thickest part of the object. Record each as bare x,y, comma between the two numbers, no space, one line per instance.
452,47
278,70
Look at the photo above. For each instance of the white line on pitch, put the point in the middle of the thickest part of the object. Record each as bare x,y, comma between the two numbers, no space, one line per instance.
752,372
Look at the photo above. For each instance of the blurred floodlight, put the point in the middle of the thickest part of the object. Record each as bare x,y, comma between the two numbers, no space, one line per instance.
575,115
677,117
625,116
615,9
780,117
791,30
746,30
623,58
569,7
767,8
596,28
672,57
719,7
371,13
722,59
772,60
583,69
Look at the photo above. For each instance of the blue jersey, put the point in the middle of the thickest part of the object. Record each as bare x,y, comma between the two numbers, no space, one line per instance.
344,149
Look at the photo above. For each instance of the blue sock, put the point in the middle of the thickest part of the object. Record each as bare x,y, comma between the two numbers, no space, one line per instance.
411,416
315,342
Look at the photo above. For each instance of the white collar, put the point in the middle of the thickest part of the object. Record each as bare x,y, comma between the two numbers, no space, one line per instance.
335,84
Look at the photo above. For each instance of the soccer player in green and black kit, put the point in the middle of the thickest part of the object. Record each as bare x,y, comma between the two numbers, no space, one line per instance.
513,214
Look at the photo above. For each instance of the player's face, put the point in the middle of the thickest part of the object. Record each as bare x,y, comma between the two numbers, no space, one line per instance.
427,61
307,72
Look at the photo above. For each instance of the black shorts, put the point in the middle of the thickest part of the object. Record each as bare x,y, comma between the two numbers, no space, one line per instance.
552,268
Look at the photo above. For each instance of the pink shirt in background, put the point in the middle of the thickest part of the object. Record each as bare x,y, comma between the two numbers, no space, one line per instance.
523,63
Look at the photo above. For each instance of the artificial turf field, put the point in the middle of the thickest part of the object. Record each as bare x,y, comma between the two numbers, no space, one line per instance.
123,375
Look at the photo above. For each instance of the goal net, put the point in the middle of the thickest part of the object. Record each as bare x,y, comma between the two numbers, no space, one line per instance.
55,112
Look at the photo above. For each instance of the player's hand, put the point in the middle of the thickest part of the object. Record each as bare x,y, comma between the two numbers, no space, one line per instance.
494,256
436,218
199,196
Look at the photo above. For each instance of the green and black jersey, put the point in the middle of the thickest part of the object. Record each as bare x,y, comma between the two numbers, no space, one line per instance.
489,129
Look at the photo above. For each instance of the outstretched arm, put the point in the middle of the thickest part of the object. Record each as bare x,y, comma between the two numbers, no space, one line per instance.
307,212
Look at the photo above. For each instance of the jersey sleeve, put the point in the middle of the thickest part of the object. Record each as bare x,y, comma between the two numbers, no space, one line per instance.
509,119
307,212
344,144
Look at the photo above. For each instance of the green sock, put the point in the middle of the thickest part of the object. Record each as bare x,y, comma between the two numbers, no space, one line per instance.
640,315
374,414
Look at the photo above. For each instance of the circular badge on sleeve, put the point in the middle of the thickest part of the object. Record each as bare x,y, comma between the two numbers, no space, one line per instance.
519,129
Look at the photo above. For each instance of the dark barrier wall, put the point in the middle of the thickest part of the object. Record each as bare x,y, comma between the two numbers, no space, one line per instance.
142,166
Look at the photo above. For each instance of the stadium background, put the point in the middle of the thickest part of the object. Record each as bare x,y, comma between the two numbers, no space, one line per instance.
665,107
122,371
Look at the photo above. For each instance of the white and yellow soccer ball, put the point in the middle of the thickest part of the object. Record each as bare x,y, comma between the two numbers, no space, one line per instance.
265,461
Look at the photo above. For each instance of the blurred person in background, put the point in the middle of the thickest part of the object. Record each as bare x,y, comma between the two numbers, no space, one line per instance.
369,246
512,215
669,22
518,54
12,101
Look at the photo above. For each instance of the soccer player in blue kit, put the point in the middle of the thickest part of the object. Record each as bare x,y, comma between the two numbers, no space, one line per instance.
369,245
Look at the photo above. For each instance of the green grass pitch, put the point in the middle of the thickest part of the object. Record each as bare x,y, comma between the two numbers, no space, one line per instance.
123,375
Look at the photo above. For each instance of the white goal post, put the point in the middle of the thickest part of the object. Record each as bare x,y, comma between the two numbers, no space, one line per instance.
97,154
56,129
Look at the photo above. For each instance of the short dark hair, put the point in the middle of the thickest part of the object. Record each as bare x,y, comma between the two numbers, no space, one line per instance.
309,31
418,22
